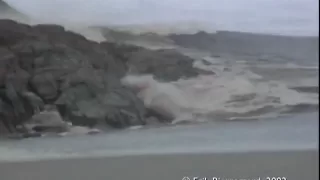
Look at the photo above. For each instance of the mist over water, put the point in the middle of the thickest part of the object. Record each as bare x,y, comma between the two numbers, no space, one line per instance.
294,17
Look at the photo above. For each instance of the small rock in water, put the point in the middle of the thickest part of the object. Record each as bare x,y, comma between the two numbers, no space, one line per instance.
94,131
48,120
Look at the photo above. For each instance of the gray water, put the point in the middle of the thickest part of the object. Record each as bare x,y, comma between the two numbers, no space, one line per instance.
287,133
236,123
291,123
294,127
242,117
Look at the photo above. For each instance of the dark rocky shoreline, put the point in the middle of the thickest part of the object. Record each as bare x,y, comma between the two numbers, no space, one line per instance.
48,65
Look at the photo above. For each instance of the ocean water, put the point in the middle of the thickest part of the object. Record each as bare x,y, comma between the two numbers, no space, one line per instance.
247,106
252,103
287,133
239,89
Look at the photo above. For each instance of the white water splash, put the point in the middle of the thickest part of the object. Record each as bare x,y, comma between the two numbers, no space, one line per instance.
233,91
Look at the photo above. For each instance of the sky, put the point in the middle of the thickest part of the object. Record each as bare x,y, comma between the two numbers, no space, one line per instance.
290,17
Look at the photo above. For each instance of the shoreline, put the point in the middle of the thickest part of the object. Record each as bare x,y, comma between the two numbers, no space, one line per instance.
290,164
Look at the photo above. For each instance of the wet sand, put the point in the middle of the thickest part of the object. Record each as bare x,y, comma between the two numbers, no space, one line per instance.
291,165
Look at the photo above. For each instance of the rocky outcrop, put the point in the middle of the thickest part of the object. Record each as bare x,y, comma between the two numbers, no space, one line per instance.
128,37
166,65
45,64
47,120
200,40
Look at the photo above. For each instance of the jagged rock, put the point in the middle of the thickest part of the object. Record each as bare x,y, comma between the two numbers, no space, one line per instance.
166,65
6,117
199,40
46,64
119,108
45,85
48,120
33,101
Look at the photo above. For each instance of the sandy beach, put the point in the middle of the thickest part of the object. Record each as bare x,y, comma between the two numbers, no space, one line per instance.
290,165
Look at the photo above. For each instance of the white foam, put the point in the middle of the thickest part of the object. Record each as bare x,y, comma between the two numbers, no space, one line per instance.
235,90
165,98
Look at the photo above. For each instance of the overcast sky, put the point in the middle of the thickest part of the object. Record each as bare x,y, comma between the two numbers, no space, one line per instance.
299,17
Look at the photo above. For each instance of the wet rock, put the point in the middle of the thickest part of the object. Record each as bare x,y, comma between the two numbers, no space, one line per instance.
45,85
200,40
119,108
32,101
48,120
166,64
46,64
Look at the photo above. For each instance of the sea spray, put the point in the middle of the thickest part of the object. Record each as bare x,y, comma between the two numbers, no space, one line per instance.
164,98
236,93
